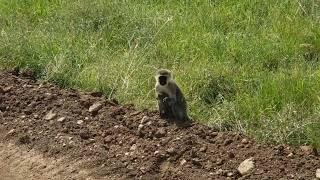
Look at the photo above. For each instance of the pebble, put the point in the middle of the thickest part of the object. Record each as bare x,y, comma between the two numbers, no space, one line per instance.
79,122
246,166
95,108
61,119
50,115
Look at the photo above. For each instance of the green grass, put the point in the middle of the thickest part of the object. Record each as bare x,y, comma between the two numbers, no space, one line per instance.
250,65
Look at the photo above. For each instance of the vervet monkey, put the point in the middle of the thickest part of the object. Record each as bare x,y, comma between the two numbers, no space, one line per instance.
171,101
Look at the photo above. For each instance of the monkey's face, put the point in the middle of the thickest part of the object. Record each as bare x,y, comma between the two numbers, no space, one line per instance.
162,80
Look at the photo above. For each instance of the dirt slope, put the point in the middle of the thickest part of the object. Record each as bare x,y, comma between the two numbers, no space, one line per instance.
78,135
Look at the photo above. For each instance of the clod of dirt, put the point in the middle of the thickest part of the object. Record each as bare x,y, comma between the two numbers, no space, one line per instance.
196,161
25,139
50,115
85,135
246,166
318,173
10,132
95,108
161,132
308,150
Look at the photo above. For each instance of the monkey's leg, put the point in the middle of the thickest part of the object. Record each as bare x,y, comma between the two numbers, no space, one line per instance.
180,113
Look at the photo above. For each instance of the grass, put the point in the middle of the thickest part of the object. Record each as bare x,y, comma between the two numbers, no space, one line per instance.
250,66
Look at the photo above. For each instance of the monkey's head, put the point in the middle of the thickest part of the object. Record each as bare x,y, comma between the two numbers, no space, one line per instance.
163,76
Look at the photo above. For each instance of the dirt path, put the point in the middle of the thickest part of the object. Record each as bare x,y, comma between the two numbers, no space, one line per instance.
53,133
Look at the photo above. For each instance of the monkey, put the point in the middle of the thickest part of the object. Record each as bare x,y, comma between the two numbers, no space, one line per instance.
171,101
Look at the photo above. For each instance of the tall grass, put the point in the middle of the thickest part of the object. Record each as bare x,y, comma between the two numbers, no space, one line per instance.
250,66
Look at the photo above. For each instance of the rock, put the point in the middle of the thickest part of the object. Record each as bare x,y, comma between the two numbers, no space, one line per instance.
308,150
50,116
246,166
95,108
161,132
79,122
182,162
318,173
61,119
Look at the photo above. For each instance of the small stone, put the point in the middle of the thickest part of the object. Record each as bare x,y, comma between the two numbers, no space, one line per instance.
246,166
171,151
50,115
318,173
95,108
290,155
133,147
230,174
79,122
84,135
156,152
161,132
61,119
182,162
244,141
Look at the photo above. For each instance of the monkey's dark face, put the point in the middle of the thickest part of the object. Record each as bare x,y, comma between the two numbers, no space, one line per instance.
163,80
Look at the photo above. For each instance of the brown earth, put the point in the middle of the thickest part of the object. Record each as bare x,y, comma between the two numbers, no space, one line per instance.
52,133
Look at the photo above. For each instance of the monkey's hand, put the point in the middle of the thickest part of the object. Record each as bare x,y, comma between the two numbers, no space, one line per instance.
168,100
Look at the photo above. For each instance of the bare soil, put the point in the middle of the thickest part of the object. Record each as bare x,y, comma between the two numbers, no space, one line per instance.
52,133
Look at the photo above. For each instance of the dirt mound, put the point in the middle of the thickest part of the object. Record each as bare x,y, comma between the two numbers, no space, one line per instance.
117,141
